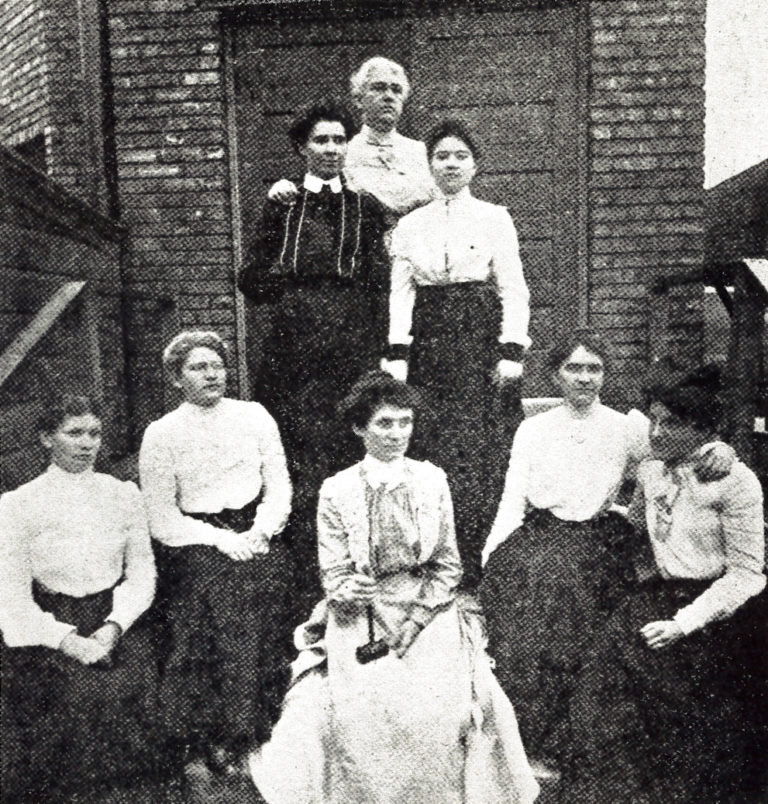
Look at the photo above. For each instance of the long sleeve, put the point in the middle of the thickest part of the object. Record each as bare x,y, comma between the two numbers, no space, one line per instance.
402,295
256,280
22,621
167,523
133,596
741,517
443,570
275,506
376,263
513,290
514,498
336,564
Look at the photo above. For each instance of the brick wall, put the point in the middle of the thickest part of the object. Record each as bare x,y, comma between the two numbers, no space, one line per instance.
646,169
172,157
23,71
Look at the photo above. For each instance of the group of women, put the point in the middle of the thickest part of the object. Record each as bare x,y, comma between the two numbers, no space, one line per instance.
611,637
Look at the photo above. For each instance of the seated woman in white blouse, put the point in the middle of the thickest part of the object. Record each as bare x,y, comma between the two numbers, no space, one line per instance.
656,715
394,699
76,573
556,555
217,493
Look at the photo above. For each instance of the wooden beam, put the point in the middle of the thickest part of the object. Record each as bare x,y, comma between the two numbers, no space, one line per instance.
31,334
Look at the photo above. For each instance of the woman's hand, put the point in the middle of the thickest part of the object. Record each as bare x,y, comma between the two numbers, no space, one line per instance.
85,650
283,191
235,545
397,368
715,462
358,588
508,370
108,636
405,638
661,634
259,542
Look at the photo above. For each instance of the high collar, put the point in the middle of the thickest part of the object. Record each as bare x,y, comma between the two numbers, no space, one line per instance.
378,473
580,415
376,137
59,475
314,184
461,197
200,411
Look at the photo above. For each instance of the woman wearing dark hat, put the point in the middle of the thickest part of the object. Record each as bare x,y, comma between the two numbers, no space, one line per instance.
458,328
322,263
655,716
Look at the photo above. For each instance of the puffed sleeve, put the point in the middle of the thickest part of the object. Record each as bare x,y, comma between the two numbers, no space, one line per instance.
741,519
442,572
402,293
258,279
133,596
514,498
275,506
167,523
513,290
336,564
22,621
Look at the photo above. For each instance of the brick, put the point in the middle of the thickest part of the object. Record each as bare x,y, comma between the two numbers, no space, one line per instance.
633,228
647,179
636,163
646,243
682,62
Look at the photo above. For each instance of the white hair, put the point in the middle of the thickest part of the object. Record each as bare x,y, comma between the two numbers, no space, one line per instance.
175,354
359,80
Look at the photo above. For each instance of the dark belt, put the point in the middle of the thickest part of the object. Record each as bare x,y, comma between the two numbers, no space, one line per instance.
238,520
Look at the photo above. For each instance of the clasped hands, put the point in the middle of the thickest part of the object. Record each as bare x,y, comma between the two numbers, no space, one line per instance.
361,589
94,649
243,546
506,370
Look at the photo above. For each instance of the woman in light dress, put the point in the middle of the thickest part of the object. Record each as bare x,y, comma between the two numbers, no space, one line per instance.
423,719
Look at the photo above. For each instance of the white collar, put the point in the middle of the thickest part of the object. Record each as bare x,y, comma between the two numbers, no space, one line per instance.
463,195
315,184
378,473
377,137
577,415
190,409
74,478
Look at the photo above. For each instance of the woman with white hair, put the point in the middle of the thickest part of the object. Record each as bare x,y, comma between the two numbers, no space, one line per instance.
217,493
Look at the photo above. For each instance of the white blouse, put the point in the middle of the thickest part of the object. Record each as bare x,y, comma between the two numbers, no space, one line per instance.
76,534
568,463
455,240
202,460
391,167
704,530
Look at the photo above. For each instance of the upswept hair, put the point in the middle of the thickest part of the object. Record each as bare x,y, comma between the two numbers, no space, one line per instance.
359,79
327,109
693,394
61,406
372,391
451,128
177,350
567,344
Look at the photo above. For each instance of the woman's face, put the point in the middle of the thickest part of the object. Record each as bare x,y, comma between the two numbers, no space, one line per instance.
203,377
452,165
325,149
388,433
580,377
75,443
673,439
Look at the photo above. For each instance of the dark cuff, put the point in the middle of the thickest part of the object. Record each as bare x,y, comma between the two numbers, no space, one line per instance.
511,351
397,351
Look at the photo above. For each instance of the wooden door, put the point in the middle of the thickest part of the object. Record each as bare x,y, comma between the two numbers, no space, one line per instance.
512,75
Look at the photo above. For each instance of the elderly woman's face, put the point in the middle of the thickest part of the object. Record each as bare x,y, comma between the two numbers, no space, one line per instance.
580,377
673,439
452,164
75,443
388,433
325,149
203,377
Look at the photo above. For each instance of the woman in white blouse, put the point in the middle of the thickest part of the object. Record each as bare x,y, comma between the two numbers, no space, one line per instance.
394,699
217,493
656,715
557,556
76,574
459,328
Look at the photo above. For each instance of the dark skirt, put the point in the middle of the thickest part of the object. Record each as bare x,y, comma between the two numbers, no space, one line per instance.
324,337
470,422
677,724
224,676
69,727
546,591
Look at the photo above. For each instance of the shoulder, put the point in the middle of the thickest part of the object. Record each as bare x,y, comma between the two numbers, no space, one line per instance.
740,485
542,422
410,146
415,219
426,471
26,493
338,483
117,489
162,427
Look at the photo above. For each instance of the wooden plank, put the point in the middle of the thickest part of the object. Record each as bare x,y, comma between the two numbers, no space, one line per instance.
37,328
